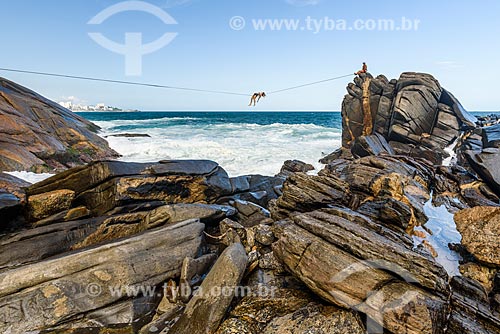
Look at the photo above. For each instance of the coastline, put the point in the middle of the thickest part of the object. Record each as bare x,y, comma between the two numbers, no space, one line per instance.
325,245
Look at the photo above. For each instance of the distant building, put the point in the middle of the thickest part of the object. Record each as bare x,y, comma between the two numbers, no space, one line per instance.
67,105
78,107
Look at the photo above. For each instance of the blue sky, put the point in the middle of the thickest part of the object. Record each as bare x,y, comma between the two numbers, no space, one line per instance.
456,42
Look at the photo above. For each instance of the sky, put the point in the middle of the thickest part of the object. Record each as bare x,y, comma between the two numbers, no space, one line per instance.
456,41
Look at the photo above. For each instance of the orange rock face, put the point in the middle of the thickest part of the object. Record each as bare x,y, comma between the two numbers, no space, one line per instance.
38,135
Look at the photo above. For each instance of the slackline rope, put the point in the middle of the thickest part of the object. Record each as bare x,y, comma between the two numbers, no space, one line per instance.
164,86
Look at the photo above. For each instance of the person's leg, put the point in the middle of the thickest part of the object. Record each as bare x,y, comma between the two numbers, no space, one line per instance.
251,100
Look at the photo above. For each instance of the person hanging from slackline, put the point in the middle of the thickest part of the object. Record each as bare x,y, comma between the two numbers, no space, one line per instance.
363,70
256,98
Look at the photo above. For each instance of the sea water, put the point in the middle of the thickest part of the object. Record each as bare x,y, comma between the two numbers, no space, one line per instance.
241,142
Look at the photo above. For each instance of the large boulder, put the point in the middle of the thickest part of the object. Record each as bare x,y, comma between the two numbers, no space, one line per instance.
81,282
345,264
12,198
205,311
487,165
39,243
102,186
40,135
414,114
353,235
480,229
491,136
415,107
302,193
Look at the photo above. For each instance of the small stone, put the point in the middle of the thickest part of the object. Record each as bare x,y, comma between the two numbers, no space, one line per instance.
264,235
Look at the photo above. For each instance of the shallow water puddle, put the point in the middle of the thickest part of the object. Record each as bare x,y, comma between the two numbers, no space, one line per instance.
444,231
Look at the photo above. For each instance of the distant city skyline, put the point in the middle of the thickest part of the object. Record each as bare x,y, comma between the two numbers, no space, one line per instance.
242,46
86,107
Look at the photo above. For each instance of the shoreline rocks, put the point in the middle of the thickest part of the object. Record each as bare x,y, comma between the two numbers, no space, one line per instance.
336,252
39,135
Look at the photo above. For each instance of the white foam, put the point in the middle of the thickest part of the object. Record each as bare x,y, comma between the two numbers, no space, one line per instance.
452,154
239,148
444,231
30,177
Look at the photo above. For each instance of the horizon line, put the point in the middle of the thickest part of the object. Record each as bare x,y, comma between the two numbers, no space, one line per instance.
229,110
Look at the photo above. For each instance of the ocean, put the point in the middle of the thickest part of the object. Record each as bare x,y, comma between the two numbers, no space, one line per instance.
241,142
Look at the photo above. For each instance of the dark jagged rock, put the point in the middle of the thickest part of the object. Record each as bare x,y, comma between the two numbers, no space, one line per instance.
40,243
489,120
341,153
414,114
294,166
302,193
491,136
418,151
39,135
470,309
205,311
487,165
249,214
415,107
12,198
11,212
380,179
453,183
131,135
466,119
257,189
446,129
125,317
371,145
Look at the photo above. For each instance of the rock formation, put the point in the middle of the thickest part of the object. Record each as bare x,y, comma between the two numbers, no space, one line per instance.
414,114
179,247
39,135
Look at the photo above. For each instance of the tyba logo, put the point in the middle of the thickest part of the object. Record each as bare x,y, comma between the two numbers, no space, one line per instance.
133,49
